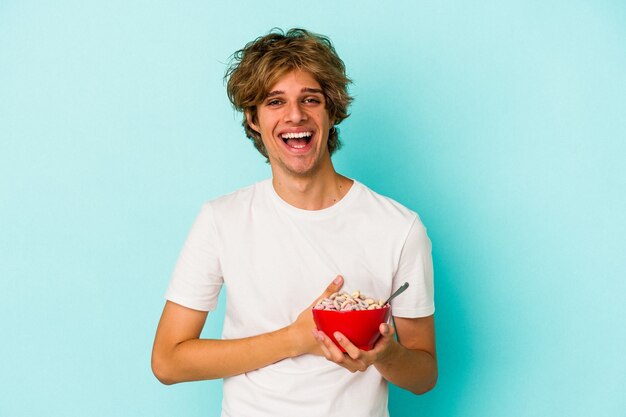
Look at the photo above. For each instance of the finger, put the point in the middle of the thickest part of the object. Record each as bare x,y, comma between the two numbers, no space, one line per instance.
383,346
336,355
387,330
319,337
352,351
333,287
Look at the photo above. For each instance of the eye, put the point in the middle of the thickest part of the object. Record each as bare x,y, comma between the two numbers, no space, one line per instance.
274,102
313,100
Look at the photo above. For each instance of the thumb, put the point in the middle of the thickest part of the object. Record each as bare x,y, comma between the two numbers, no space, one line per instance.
386,330
333,287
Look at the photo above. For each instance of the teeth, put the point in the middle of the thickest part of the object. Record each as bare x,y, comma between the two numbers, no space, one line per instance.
296,135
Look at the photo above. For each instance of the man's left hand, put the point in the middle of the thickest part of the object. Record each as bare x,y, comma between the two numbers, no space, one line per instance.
356,359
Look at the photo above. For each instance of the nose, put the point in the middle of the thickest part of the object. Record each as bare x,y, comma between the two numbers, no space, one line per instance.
294,113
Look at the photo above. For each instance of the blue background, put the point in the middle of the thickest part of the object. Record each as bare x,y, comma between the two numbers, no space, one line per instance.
501,123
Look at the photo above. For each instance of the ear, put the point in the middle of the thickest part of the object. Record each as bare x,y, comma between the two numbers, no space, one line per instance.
251,122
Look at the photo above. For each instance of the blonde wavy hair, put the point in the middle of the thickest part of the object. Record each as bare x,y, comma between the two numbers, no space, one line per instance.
253,70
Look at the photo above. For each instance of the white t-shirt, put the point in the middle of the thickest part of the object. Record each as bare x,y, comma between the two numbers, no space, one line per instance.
275,260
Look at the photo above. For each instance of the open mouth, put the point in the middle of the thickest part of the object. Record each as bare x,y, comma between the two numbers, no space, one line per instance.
297,140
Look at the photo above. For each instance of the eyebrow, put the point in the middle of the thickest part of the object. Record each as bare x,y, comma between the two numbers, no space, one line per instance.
304,90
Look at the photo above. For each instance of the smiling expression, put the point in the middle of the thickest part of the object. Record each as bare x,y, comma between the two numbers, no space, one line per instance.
294,124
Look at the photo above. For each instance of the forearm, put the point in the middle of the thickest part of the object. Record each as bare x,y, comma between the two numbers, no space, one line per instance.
202,359
180,355
412,369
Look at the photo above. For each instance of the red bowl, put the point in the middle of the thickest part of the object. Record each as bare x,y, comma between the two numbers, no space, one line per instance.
361,327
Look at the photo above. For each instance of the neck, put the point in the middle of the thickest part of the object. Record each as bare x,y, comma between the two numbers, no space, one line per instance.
315,192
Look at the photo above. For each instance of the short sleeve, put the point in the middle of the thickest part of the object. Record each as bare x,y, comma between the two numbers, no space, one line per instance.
416,268
197,278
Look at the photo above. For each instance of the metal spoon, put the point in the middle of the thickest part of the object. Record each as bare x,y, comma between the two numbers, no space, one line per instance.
397,292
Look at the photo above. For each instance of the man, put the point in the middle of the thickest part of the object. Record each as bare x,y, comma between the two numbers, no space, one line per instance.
281,244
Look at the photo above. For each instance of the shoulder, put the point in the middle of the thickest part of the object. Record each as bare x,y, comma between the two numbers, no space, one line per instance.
237,200
379,205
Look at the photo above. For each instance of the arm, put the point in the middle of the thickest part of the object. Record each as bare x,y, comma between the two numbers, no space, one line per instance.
410,362
180,355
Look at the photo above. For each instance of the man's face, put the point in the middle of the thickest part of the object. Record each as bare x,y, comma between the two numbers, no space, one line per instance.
294,125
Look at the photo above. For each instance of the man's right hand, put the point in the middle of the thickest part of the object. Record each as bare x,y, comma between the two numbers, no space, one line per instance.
301,330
